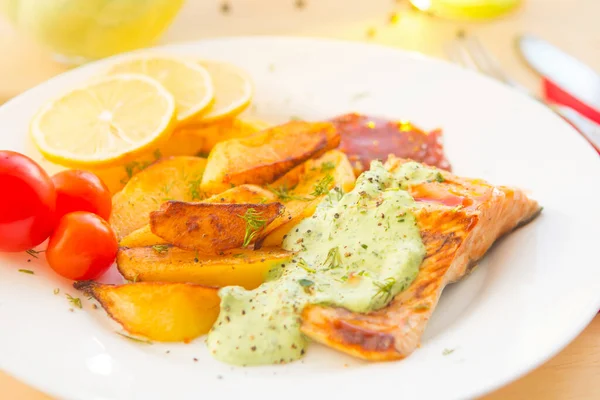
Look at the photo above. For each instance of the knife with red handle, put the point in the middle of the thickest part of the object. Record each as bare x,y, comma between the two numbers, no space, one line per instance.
567,80
571,87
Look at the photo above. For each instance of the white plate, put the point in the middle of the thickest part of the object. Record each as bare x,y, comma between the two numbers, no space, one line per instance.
533,293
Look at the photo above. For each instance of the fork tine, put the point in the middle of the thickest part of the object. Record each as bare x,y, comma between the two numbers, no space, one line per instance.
487,62
458,55
468,51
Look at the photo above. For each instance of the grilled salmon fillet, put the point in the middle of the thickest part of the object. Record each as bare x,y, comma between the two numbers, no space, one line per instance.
459,220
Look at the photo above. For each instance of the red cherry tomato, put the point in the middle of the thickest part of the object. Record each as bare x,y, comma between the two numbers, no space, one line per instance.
81,191
83,246
27,202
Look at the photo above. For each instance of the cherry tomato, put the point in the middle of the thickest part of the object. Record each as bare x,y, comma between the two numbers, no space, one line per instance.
81,191
83,246
27,202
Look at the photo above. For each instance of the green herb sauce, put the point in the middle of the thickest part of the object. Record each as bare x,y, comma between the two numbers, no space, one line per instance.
357,251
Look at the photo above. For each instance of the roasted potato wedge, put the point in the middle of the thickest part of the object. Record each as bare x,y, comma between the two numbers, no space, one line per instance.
187,141
212,228
174,178
141,237
242,267
299,191
266,156
240,194
203,137
250,194
165,312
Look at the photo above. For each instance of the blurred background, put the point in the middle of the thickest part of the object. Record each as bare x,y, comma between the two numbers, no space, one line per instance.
38,36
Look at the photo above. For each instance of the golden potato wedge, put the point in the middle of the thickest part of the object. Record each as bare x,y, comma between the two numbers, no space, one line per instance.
309,182
189,141
240,194
212,228
165,312
141,237
266,156
174,178
202,138
163,263
250,194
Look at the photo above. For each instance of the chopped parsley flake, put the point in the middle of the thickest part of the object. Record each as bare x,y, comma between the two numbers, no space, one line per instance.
447,352
27,271
34,253
160,248
327,166
305,282
322,187
134,339
254,222
75,301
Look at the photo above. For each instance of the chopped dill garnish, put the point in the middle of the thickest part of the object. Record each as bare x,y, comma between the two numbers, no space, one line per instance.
34,253
194,188
385,288
337,192
27,271
322,187
327,166
238,255
254,222
302,264
166,188
358,96
447,352
130,168
56,291
305,282
134,339
283,193
160,248
202,154
439,177
136,166
333,259
75,301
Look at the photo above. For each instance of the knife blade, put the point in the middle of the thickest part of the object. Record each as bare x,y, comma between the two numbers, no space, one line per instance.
588,128
565,71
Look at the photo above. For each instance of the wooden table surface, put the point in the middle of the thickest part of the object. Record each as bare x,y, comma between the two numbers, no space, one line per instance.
571,24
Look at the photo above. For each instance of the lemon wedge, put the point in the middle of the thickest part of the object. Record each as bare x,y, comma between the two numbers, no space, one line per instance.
106,122
189,82
233,92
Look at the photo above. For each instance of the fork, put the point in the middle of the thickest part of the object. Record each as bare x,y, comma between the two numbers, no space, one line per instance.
467,50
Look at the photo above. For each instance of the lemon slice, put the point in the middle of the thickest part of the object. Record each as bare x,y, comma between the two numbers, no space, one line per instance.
109,121
189,82
233,92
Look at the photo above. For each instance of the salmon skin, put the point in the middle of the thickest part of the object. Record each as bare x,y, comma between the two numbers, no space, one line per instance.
459,219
